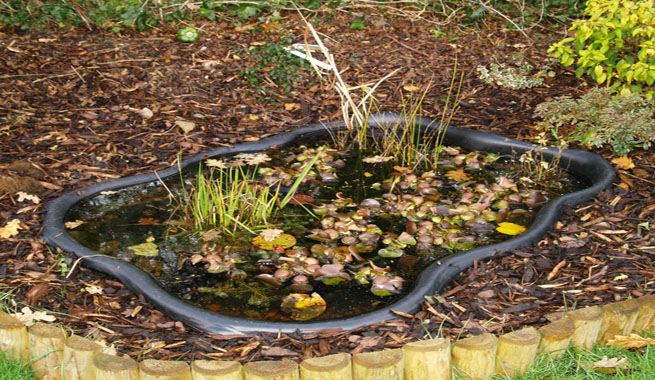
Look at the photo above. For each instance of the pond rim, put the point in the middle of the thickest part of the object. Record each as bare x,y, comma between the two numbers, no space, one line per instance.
596,173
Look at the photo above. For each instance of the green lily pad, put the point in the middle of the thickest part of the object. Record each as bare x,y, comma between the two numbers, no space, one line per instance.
333,280
145,249
390,252
282,241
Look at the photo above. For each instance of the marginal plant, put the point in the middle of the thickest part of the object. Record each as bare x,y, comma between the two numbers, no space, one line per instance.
624,122
614,45
232,196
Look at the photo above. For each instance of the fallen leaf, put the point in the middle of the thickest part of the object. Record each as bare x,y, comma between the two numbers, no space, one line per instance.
145,113
631,341
301,199
606,365
186,126
508,228
73,224
457,175
278,351
148,221
210,235
29,197
410,88
303,307
145,249
28,317
10,229
624,163
290,106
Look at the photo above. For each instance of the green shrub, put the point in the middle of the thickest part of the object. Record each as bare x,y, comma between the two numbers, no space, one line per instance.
597,118
614,45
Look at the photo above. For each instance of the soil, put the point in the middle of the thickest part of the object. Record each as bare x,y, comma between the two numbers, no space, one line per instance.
82,107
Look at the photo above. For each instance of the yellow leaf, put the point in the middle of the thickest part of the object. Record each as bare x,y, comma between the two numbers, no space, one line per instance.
632,341
410,88
624,163
290,106
10,229
457,175
150,239
367,174
508,228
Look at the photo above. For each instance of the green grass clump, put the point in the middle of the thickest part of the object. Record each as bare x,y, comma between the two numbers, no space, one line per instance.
13,369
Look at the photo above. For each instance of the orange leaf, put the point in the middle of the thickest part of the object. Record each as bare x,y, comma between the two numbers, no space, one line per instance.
624,163
631,341
457,175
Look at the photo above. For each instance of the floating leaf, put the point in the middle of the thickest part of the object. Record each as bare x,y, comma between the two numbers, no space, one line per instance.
270,234
282,241
390,252
631,341
73,224
28,197
10,229
624,163
303,307
508,228
301,199
145,249
457,175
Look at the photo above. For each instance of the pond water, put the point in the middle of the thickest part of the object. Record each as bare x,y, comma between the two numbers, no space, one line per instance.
364,228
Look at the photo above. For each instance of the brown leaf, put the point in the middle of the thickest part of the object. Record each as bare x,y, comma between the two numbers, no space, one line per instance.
10,229
278,351
631,341
606,365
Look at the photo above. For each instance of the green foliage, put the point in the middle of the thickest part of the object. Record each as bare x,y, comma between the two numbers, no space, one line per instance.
357,24
272,60
13,369
625,122
614,45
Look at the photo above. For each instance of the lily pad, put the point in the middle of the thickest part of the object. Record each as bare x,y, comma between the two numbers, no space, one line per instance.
282,241
145,249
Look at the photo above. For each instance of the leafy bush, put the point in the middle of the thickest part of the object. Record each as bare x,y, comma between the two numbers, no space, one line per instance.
614,45
624,122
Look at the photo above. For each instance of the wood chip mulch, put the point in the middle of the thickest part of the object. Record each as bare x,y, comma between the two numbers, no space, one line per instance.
72,111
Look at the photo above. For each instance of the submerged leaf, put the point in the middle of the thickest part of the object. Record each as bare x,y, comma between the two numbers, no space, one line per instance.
145,249
508,228
303,307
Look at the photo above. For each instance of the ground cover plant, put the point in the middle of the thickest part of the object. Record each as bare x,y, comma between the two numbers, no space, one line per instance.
80,108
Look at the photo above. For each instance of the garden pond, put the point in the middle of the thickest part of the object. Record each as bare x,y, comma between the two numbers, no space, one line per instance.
355,231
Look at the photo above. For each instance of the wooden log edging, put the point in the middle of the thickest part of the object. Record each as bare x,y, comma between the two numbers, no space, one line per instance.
54,355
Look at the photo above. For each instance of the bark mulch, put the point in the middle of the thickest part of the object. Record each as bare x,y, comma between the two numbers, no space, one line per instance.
72,111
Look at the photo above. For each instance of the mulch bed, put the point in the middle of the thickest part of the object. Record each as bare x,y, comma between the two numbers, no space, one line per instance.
72,110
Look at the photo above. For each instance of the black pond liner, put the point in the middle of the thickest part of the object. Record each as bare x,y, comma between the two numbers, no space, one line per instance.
594,171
